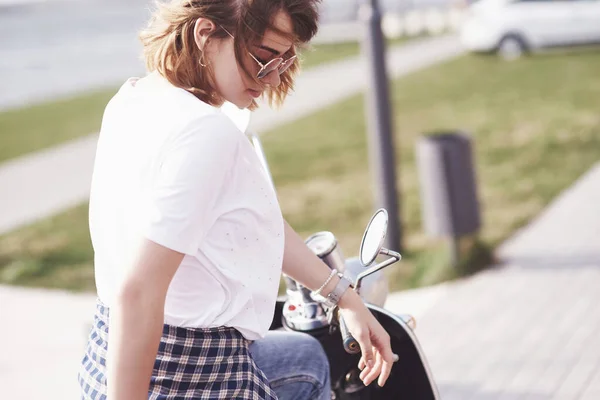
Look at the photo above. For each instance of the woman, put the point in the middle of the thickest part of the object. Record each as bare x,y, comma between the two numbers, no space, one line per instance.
188,236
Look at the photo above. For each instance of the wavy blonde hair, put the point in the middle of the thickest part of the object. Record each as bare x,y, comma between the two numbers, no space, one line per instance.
169,45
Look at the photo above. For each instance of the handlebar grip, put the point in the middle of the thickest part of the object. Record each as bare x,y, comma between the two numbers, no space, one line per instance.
350,344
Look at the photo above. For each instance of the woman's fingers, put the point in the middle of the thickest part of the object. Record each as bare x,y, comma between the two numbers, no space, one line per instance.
362,364
384,360
384,349
386,370
364,341
364,372
382,368
369,376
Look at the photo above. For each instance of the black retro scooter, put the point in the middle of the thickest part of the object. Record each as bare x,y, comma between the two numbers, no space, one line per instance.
410,377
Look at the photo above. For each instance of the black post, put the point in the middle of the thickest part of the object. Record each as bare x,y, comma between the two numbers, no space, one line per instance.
379,122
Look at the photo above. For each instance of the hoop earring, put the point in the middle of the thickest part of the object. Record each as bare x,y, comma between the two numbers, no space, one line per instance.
200,61
202,55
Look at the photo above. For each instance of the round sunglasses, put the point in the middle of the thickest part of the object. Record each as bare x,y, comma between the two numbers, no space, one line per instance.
278,63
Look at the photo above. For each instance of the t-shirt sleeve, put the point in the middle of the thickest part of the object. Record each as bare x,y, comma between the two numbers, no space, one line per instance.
194,167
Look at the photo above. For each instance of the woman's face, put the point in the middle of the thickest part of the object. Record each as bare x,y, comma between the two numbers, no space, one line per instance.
230,80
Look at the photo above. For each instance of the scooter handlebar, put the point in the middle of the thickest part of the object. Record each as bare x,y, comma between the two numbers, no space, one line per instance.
350,344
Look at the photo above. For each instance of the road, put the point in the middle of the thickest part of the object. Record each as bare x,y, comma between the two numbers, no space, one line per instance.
61,47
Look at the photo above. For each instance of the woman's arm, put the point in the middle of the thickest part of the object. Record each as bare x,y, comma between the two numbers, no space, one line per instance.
300,263
303,265
136,322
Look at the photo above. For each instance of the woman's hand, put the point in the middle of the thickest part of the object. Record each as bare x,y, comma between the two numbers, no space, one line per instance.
377,357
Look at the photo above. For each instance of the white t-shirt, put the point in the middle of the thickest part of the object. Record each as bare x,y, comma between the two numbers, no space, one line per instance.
179,172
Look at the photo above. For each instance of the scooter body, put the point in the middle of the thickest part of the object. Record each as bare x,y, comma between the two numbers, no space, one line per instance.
410,377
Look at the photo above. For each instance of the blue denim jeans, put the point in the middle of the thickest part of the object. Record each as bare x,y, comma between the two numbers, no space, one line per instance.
295,365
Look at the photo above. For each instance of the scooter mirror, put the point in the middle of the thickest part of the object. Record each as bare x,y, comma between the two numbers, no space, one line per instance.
374,236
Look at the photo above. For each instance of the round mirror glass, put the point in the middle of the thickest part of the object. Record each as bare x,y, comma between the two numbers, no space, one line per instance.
374,237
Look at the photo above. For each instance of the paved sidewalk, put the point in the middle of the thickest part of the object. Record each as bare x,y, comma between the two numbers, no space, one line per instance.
45,183
529,329
47,326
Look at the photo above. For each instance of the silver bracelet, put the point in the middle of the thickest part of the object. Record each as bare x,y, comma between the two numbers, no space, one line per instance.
319,290
333,298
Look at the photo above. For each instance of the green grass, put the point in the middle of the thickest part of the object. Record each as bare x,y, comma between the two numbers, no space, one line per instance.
47,124
325,53
535,125
43,125
54,253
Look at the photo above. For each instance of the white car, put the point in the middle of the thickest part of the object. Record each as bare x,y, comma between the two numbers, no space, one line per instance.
512,27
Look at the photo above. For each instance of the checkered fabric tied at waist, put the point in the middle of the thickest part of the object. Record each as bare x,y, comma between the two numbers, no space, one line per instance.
206,363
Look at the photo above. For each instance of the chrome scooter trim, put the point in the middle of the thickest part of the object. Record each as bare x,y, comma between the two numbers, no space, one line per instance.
415,341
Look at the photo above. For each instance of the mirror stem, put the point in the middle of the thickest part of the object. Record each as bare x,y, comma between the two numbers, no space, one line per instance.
391,253
395,257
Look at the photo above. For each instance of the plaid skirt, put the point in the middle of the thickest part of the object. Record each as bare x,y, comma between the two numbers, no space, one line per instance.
212,363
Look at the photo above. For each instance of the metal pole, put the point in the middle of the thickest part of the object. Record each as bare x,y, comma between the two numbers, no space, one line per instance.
379,122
